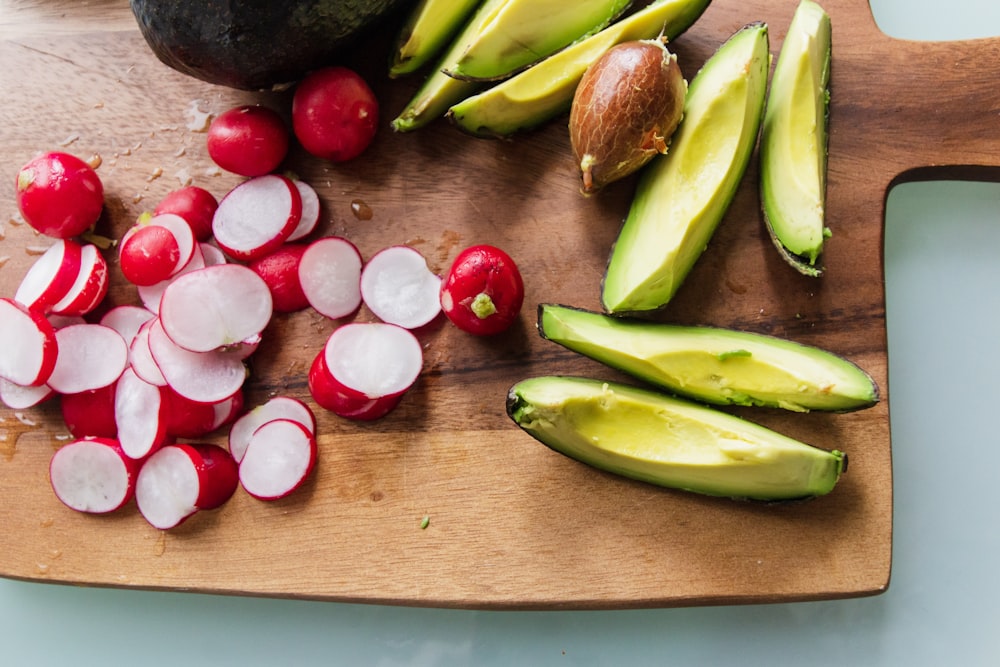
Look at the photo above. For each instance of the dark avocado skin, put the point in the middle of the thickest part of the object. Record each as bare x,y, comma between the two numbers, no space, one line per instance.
255,44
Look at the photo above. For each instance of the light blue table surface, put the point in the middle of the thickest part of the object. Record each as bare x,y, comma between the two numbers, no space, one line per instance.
943,606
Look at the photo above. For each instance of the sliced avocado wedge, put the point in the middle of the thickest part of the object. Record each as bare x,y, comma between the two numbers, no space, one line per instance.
546,89
714,365
682,196
519,33
670,442
793,143
426,31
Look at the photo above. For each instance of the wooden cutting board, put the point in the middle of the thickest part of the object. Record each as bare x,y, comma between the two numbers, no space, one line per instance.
511,524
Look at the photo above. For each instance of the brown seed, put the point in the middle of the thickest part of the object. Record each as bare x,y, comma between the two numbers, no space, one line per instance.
626,108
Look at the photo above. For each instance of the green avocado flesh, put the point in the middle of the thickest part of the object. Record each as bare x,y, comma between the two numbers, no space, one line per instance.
682,196
793,148
668,441
519,33
426,32
714,365
546,89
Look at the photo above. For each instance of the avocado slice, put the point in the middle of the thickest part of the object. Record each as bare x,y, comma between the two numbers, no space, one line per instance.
426,31
714,365
439,90
682,196
546,89
668,441
793,143
519,33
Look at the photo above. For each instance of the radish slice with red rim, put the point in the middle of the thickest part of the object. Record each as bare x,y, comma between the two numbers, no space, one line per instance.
212,255
90,356
140,415
178,480
330,276
90,413
279,457
93,475
141,359
364,369
126,320
399,287
311,209
227,410
207,377
28,347
51,276
90,286
20,397
215,306
257,216
278,407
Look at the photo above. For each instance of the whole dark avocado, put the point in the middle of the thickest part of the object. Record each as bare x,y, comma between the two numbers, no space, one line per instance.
255,44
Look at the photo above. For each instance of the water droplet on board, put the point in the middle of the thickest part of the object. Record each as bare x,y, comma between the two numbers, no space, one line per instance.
361,210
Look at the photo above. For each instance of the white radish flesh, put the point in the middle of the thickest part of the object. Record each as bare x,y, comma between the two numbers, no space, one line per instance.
51,276
93,475
309,219
215,307
20,397
141,359
126,320
399,287
278,407
28,347
140,415
330,276
90,356
257,216
207,377
279,457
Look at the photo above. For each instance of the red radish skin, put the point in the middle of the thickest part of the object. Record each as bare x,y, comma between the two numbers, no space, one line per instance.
277,407
399,287
196,205
280,271
19,397
364,369
90,286
28,346
482,293
93,475
90,356
59,195
279,457
90,413
248,140
334,114
179,480
257,216
215,307
218,474
330,276
156,249
51,276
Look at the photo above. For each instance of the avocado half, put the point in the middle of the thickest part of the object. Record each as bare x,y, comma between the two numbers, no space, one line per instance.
670,442
255,44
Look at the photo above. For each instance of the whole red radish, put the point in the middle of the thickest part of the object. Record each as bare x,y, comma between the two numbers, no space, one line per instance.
196,205
148,254
483,291
59,195
248,140
334,114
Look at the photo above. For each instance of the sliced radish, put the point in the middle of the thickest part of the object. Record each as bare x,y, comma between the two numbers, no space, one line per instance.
19,397
126,320
141,416
278,407
211,255
60,321
93,475
227,410
150,295
28,346
399,287
215,306
279,269
178,480
311,209
90,413
156,248
90,286
330,276
257,216
186,418
364,369
279,457
51,276
207,377
141,359
90,356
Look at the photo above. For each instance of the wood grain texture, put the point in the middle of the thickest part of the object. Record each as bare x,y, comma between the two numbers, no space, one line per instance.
512,525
